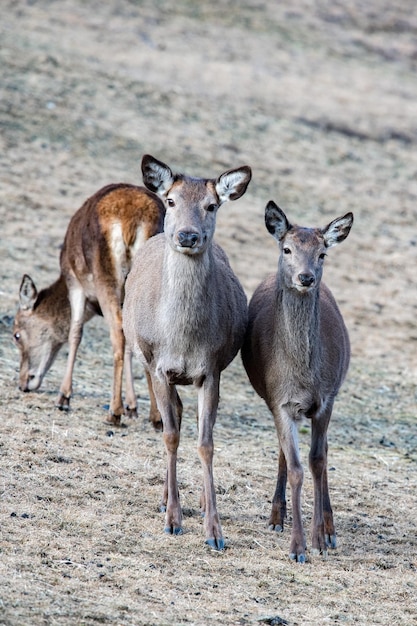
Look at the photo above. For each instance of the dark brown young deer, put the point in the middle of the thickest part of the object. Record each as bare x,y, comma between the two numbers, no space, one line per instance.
185,316
99,245
296,353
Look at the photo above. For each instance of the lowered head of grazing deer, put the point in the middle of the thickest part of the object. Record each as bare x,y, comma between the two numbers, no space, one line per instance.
40,329
296,353
100,242
185,316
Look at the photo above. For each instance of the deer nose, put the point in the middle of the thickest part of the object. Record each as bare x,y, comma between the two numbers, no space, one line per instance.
306,279
187,239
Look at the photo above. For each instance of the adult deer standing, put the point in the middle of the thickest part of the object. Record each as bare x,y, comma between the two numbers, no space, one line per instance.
296,353
100,242
185,315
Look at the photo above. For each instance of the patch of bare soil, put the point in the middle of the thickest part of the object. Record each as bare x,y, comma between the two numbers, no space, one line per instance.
320,100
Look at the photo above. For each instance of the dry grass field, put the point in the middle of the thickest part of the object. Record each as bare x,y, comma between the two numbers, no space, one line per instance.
319,98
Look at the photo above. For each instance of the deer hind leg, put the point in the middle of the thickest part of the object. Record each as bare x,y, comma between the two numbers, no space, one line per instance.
154,414
110,304
323,530
118,344
329,528
288,438
208,400
279,503
131,402
77,302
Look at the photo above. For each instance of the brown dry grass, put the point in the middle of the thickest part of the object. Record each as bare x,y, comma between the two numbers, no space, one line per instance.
320,101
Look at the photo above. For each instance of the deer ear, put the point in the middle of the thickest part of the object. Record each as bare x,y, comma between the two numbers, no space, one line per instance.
338,230
28,293
232,184
276,220
157,176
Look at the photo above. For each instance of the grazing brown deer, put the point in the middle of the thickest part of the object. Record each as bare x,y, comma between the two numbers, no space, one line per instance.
296,353
99,245
185,316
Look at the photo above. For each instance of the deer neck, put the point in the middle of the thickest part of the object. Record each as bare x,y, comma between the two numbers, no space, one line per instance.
53,302
186,287
299,320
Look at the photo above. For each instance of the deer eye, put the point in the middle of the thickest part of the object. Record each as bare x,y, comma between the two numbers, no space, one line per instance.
286,251
322,256
170,202
16,336
211,208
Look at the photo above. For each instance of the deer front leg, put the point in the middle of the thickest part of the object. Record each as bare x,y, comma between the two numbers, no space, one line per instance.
77,302
166,399
163,505
323,531
208,400
279,503
288,438
173,515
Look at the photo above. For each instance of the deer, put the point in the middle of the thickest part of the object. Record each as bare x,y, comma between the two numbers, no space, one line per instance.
100,242
185,317
296,354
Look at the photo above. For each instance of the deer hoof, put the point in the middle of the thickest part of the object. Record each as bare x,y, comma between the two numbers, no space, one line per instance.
173,530
317,552
131,412
63,402
216,544
277,528
299,558
331,541
158,426
114,419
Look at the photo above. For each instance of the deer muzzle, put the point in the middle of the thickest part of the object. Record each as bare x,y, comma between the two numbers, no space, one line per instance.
307,279
31,382
187,239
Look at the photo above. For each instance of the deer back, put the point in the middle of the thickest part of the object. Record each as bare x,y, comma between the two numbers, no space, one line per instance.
104,235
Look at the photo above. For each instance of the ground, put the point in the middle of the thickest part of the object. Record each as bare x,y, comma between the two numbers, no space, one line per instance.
319,99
